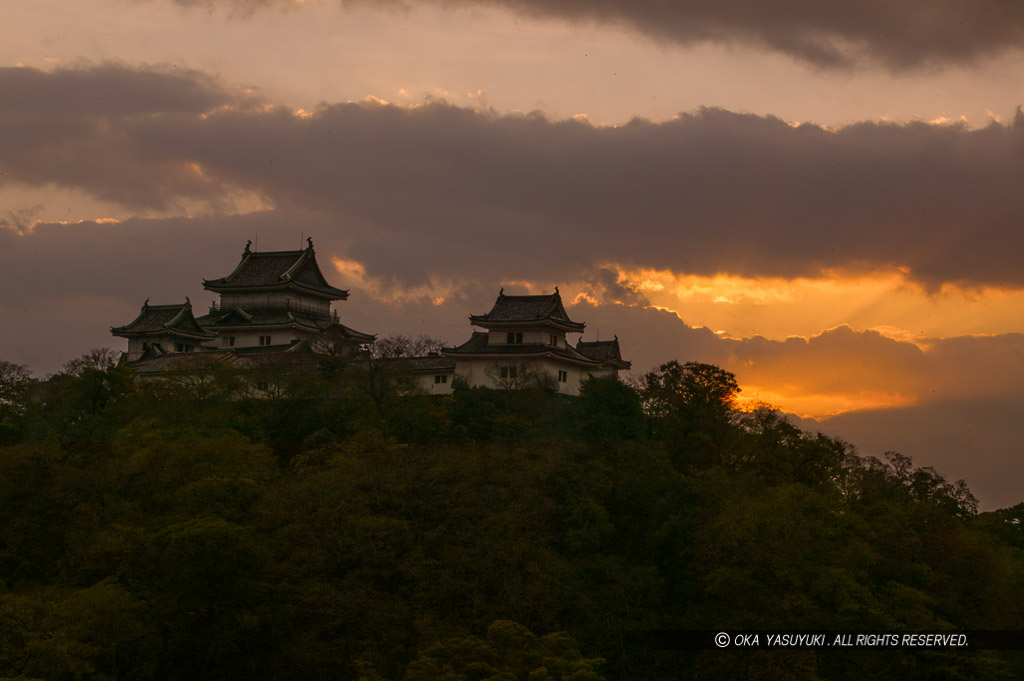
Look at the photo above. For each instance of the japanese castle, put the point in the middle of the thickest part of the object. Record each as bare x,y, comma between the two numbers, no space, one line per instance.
277,304
524,339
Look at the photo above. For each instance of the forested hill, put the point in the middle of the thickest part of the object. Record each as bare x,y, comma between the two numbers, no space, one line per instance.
285,525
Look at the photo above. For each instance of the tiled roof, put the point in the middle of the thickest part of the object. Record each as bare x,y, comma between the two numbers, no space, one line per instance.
428,363
158,363
235,318
530,310
295,352
477,346
606,352
300,346
298,351
278,269
176,320
352,334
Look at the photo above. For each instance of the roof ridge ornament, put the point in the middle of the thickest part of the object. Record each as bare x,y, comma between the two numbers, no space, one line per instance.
145,304
309,240
248,247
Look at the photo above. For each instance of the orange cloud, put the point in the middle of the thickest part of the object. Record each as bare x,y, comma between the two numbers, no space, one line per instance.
832,372
887,342
391,291
822,406
888,301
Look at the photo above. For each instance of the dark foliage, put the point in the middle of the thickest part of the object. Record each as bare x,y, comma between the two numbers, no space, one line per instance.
333,524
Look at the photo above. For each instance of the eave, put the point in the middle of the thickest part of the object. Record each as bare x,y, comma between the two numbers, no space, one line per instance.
121,333
329,293
257,326
540,352
569,327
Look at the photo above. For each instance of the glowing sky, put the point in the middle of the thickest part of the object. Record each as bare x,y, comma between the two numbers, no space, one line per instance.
824,199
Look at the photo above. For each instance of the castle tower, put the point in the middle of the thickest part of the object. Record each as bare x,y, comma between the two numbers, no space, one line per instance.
275,298
525,340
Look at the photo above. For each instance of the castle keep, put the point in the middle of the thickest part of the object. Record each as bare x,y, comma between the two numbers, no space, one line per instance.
279,302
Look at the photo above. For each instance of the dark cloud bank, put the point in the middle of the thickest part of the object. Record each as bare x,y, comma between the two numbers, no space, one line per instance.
837,33
709,192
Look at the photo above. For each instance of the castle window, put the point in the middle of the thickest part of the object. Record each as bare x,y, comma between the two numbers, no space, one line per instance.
507,372
554,339
441,378
563,376
229,341
515,337
264,340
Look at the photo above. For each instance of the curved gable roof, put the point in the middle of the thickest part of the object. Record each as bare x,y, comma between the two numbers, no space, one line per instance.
540,310
176,320
277,270
606,352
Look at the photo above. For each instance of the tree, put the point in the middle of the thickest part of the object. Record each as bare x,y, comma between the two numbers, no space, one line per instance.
15,380
778,451
205,380
924,485
79,401
399,346
509,652
101,632
379,385
692,408
608,409
693,387
99,359
204,579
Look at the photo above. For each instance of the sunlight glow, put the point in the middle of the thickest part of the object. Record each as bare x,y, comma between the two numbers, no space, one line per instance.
887,301
390,290
821,406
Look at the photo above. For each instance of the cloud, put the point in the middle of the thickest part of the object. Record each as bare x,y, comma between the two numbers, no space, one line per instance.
81,128
840,367
839,33
979,366
415,191
109,89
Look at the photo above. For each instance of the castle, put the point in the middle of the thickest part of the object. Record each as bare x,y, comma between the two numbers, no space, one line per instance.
278,304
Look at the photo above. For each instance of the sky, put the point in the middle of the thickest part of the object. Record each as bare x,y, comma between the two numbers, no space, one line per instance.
823,198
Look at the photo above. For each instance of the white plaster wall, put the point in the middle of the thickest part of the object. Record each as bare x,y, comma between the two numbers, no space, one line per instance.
250,339
541,336
426,382
576,374
472,373
134,349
